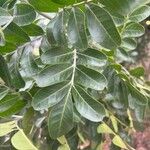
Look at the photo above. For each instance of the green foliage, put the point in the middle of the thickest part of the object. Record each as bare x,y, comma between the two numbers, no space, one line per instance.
60,76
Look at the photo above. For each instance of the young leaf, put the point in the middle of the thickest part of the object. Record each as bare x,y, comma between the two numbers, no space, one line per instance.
102,29
87,106
7,127
104,128
24,14
119,142
76,29
21,141
61,117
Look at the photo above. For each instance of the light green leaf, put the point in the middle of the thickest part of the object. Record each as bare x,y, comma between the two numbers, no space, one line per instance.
114,123
64,144
61,117
2,38
87,106
54,74
140,14
45,5
102,29
119,142
49,96
24,14
90,78
137,72
104,128
14,34
21,142
5,17
76,29
10,105
7,127
33,30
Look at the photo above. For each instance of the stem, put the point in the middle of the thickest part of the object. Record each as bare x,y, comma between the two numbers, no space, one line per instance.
74,66
45,15
78,4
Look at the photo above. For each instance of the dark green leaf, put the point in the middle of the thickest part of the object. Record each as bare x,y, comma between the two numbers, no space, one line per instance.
88,107
54,74
17,80
24,14
90,78
129,43
49,96
102,29
61,117
76,29
4,72
137,72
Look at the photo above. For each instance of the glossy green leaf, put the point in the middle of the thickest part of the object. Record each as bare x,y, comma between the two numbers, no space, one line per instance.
27,62
90,78
5,17
3,91
123,7
21,141
92,58
129,44
102,29
16,77
4,72
49,96
133,30
24,14
60,28
7,127
14,34
140,14
87,106
45,6
53,74
33,30
61,117
57,55
76,29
